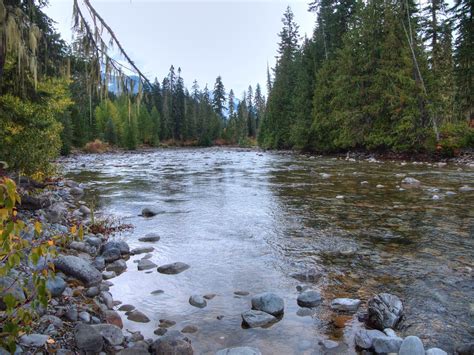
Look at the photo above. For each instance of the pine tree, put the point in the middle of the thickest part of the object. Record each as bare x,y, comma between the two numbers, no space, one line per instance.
218,97
178,108
259,106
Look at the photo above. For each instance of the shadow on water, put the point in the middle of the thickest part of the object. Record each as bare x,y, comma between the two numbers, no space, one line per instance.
246,221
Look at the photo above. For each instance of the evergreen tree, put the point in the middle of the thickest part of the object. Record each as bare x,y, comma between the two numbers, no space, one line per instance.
218,97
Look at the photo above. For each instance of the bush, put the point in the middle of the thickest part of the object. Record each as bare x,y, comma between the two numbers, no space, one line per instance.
96,146
455,136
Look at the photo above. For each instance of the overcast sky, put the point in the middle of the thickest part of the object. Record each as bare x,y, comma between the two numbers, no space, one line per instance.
234,39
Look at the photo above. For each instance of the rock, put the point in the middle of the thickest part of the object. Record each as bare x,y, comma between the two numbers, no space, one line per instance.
126,308
166,323
412,345
365,338
157,292
82,247
410,182
465,349
111,255
268,302
364,182
56,213
76,191
174,268
122,246
339,197
149,212
145,264
209,296
385,311
255,319
150,238
85,211
94,242
112,317
466,188
92,291
106,298
112,334
241,350
383,345
390,332
241,293
79,269
138,316
33,340
309,299
436,351
189,329
118,266
329,344
10,286
197,301
50,319
435,197
56,286
99,263
134,350
311,275
173,343
380,186
160,331
325,176
142,250
72,314
88,338
107,275
85,317
345,304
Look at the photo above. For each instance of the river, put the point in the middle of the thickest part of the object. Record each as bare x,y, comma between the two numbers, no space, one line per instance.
246,221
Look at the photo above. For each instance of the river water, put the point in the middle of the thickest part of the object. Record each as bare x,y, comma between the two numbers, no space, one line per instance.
247,220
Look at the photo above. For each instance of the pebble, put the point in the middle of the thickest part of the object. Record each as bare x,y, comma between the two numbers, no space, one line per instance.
85,317
150,238
197,301
34,340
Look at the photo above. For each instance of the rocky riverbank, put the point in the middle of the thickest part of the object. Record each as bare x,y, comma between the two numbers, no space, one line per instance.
83,317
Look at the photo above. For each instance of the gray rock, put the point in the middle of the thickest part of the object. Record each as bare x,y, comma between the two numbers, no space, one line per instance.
94,242
172,343
141,250
390,332
85,211
82,247
56,213
111,333
149,212
112,254
160,331
384,345
174,268
107,299
138,316
309,299
50,319
99,263
122,246
241,350
436,351
385,311
88,338
107,275
311,275
365,338
255,319
79,269
85,316
76,191
150,237
56,286
33,340
92,291
466,188
189,329
118,266
134,351
12,287
126,308
412,345
72,314
197,301
345,304
145,264
268,302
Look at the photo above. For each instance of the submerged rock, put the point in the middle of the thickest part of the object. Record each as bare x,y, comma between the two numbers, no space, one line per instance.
174,268
385,311
141,250
79,269
410,182
150,237
189,329
172,343
311,275
145,264
197,301
138,316
268,302
309,299
149,212
255,319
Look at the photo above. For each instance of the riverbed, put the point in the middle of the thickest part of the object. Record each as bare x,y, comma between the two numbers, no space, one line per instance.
247,220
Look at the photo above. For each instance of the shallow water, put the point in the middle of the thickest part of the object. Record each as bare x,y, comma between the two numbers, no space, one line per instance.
245,221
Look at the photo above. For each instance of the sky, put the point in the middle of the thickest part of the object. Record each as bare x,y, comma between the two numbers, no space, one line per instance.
234,39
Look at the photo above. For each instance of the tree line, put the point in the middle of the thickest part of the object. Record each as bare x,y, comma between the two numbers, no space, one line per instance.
378,75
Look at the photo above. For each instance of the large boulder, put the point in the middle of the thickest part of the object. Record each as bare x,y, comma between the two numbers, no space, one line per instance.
88,338
78,268
172,269
255,319
173,343
268,302
385,311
